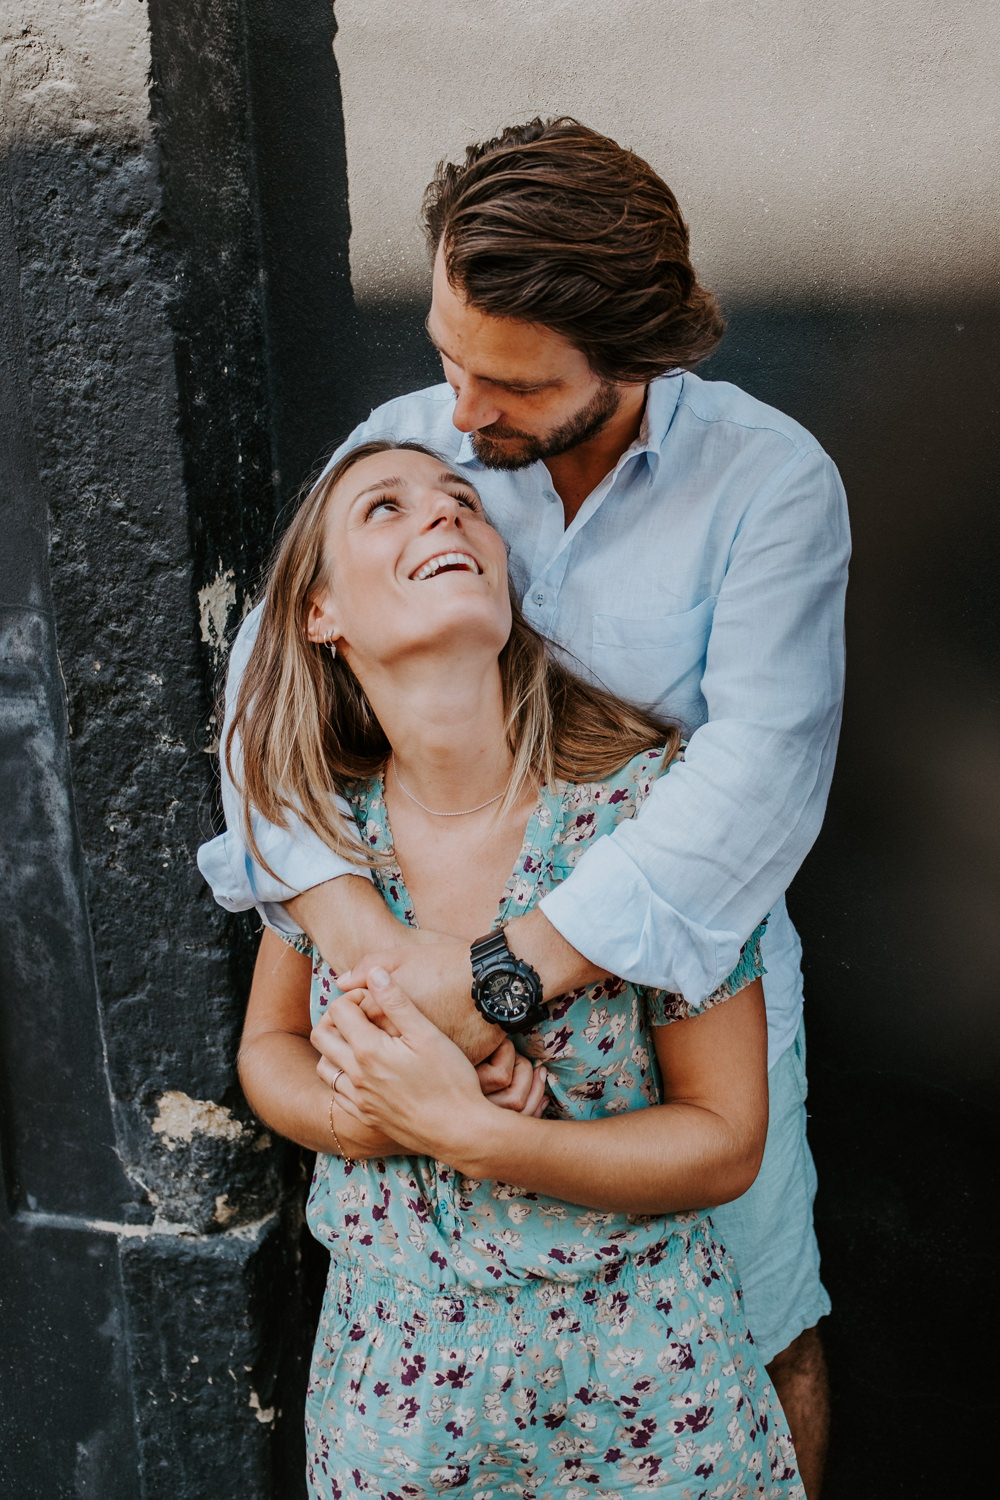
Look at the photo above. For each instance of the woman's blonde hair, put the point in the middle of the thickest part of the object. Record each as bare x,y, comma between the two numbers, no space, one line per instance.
306,730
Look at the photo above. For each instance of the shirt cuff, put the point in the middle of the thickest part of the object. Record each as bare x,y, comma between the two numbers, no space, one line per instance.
239,884
607,911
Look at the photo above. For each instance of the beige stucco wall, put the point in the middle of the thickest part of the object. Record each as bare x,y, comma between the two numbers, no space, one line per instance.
844,150
74,69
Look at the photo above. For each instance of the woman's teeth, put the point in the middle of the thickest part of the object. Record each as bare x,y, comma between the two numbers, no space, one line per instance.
446,560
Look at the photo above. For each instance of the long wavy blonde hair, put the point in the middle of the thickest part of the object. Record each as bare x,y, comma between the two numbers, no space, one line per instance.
306,731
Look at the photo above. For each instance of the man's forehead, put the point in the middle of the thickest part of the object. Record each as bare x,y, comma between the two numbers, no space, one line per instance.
501,349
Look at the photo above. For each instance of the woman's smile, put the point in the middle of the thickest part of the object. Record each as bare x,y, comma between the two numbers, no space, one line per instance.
446,562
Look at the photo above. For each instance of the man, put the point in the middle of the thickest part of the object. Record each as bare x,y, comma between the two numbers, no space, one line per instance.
688,546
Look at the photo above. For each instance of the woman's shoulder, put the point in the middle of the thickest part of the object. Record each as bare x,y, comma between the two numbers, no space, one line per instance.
366,798
589,808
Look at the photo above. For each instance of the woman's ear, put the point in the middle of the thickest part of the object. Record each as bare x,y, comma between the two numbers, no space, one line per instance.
321,625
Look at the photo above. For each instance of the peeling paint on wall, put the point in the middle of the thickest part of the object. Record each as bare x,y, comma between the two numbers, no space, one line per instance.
217,605
77,71
180,1118
264,1414
224,1210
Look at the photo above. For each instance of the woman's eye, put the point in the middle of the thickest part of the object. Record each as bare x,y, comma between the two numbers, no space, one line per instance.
469,500
380,502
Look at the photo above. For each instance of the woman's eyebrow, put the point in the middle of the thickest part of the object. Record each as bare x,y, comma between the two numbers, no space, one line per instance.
448,477
393,482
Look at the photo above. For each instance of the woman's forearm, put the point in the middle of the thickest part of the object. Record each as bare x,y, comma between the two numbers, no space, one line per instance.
278,1074
700,1148
663,1159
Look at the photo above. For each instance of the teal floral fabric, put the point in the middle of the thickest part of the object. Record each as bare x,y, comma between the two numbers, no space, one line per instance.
482,1339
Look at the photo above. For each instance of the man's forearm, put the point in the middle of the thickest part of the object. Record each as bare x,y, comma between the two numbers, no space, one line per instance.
347,918
349,922
559,966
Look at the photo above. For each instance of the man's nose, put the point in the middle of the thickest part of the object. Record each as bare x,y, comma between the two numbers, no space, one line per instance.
475,406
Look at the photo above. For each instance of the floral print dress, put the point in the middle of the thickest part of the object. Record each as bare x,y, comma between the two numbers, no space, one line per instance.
479,1339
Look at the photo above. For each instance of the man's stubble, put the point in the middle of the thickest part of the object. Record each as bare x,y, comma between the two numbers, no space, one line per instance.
519,450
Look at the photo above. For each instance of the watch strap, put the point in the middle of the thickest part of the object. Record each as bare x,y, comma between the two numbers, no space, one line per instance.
491,945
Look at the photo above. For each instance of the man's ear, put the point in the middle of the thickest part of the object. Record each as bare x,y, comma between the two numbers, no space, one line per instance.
321,624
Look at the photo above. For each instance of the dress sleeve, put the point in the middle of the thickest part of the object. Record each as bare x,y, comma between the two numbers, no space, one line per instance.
662,1007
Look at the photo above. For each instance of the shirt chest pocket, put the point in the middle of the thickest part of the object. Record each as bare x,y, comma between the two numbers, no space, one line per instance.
656,660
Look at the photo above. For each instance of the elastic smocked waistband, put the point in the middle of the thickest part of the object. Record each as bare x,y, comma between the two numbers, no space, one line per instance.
592,1303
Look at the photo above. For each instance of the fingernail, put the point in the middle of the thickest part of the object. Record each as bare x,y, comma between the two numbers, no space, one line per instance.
378,979
343,980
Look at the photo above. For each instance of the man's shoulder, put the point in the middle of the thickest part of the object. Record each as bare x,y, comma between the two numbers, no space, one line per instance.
419,416
719,402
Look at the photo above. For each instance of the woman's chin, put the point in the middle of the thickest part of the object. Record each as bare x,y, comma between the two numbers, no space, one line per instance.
458,626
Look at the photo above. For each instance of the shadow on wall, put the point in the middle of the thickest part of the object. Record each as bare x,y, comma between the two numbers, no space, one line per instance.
897,904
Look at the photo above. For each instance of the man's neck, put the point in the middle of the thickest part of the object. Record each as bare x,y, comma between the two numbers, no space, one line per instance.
577,474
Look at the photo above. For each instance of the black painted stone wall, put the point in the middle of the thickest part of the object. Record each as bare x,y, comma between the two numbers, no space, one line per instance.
168,302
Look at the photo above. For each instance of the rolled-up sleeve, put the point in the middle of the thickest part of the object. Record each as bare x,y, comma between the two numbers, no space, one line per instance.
296,855
669,898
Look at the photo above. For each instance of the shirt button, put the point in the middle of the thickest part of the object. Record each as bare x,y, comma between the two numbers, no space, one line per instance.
539,598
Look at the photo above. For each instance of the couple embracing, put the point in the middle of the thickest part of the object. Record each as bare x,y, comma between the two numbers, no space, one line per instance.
532,729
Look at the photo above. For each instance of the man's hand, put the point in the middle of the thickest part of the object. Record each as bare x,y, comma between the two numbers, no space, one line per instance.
355,932
509,1079
436,975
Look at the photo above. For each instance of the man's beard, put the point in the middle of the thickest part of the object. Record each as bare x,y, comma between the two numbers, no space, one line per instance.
519,450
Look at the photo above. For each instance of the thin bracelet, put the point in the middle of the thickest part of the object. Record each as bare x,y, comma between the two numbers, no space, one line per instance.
347,1160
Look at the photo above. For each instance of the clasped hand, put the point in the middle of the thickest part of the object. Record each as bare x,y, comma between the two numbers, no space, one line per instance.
394,1071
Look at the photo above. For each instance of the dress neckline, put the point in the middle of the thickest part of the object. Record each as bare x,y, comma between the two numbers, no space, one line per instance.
522,879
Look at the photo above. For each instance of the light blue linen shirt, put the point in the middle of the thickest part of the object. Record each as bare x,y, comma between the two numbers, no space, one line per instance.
705,575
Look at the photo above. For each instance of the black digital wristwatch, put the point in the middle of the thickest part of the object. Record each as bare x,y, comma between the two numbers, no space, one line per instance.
507,991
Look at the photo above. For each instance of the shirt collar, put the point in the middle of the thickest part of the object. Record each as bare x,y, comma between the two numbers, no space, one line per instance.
662,396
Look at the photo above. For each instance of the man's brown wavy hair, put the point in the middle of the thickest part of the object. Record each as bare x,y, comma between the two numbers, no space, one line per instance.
555,224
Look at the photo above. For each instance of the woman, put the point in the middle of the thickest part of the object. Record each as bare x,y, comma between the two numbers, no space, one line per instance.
578,1333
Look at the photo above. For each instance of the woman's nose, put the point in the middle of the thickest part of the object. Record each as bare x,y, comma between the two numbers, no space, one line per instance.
443,509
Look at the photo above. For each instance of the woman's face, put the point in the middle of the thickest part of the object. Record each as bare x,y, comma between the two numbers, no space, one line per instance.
411,565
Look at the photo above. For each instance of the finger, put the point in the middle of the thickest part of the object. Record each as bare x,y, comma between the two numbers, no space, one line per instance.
516,1096
396,1005
357,975
497,1071
332,1048
345,1095
357,994
538,1097
332,1073
372,1008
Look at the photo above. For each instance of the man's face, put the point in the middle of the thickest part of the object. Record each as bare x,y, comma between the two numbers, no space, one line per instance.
524,392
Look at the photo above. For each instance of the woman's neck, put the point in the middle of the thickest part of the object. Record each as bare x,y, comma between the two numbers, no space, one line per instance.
445,723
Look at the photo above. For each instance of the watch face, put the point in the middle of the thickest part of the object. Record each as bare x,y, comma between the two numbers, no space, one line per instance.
507,996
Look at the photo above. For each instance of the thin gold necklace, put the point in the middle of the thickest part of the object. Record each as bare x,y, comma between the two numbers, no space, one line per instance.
463,813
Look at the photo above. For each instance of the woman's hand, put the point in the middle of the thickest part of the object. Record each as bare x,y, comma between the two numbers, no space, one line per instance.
414,1084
